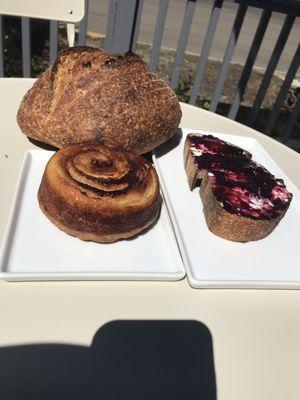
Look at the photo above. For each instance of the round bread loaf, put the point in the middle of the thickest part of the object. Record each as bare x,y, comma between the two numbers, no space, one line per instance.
99,194
91,95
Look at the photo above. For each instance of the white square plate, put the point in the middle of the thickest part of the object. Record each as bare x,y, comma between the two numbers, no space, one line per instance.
210,261
35,249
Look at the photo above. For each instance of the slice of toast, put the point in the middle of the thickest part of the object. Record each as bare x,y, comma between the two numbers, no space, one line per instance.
214,150
242,201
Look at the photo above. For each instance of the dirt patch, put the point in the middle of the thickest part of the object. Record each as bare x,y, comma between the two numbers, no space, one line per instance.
213,68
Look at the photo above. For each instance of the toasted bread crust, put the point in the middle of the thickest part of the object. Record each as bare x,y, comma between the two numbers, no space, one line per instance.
88,94
232,226
221,222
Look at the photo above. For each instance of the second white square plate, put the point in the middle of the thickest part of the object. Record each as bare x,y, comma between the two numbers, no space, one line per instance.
210,261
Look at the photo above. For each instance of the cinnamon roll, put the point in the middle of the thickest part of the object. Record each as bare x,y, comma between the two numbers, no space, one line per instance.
99,194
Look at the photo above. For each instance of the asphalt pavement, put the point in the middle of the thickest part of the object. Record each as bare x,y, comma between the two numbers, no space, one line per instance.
98,10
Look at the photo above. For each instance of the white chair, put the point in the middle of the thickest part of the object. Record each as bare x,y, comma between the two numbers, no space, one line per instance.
69,11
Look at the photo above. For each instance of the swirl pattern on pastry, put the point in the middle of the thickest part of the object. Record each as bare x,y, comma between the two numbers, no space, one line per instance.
99,194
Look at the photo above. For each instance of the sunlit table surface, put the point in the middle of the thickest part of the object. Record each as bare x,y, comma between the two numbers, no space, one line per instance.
255,334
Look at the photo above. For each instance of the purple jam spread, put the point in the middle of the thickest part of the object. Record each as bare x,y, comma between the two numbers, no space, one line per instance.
241,186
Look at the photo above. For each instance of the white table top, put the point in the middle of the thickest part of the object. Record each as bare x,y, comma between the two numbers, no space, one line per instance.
255,333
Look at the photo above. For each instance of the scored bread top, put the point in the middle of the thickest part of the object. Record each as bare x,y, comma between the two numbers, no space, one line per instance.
241,186
88,94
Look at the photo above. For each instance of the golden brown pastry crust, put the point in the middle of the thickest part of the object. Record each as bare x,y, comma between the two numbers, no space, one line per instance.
88,94
99,194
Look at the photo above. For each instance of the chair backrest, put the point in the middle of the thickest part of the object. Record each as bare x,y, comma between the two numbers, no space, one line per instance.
69,11
60,10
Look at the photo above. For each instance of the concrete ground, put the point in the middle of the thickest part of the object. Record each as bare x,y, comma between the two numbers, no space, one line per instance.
97,23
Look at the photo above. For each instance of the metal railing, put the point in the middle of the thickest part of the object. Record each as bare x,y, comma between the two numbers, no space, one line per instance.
123,23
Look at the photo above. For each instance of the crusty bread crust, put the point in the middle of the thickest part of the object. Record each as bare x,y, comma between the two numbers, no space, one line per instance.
236,228
99,194
88,94
194,175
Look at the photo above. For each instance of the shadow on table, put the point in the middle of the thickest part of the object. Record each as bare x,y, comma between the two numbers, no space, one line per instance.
42,145
127,360
170,144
